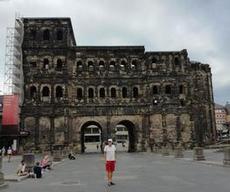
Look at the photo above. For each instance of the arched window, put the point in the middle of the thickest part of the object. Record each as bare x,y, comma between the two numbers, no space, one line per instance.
134,65
155,89
59,92
79,93
112,65
113,92
33,34
181,89
45,92
124,92
45,63
59,65
33,91
79,66
168,89
176,61
135,92
154,60
90,66
101,65
123,64
90,93
102,92
46,34
59,35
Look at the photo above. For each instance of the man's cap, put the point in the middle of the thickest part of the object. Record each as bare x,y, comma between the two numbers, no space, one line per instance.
110,140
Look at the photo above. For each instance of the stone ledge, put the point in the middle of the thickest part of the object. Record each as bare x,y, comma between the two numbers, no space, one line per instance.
3,186
15,178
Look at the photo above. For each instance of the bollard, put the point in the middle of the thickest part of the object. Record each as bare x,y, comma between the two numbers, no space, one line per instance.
198,154
57,155
165,151
179,152
29,160
226,161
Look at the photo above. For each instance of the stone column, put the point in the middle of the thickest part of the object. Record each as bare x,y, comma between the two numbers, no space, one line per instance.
198,154
2,183
179,152
227,156
1,174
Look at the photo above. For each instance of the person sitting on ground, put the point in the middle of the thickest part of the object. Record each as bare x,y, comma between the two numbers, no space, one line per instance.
38,170
21,171
46,163
71,156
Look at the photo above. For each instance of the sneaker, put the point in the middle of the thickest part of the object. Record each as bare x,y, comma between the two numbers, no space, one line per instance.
111,183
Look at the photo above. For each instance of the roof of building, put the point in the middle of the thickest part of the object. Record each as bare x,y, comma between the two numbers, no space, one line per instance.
227,106
218,106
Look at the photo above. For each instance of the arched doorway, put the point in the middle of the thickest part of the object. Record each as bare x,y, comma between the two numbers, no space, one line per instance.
125,136
91,137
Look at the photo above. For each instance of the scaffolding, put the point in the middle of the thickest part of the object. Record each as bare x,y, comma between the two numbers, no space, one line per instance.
13,76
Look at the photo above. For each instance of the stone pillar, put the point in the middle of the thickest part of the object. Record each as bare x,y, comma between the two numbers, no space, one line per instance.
57,155
29,160
1,174
198,154
227,156
179,152
165,151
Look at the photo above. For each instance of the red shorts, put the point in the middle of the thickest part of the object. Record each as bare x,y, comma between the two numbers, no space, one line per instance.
110,166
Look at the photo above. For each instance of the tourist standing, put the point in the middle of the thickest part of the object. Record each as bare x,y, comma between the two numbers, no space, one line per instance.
9,153
110,160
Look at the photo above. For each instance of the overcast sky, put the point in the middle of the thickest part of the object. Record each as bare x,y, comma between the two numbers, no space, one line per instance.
200,26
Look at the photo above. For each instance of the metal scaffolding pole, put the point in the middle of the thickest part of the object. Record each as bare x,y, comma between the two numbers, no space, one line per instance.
13,81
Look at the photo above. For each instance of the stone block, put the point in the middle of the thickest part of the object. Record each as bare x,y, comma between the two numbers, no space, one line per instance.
165,151
57,155
179,152
29,160
198,154
226,161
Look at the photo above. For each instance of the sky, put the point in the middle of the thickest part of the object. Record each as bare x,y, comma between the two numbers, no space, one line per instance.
201,27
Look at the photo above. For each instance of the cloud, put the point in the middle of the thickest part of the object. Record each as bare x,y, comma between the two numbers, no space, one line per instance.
196,25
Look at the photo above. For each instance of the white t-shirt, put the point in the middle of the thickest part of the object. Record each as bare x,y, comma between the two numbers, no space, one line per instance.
110,152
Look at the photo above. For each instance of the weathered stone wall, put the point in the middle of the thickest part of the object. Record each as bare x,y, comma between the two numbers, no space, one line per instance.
162,96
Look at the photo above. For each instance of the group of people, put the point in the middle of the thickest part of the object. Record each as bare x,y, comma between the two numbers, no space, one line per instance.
6,151
35,171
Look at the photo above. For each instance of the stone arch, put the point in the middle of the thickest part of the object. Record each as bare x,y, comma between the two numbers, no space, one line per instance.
46,34
79,65
59,91
91,92
132,134
124,92
101,64
134,64
33,91
45,92
59,34
80,92
101,92
82,132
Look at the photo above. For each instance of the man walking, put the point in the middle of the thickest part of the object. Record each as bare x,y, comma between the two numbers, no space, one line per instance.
110,159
